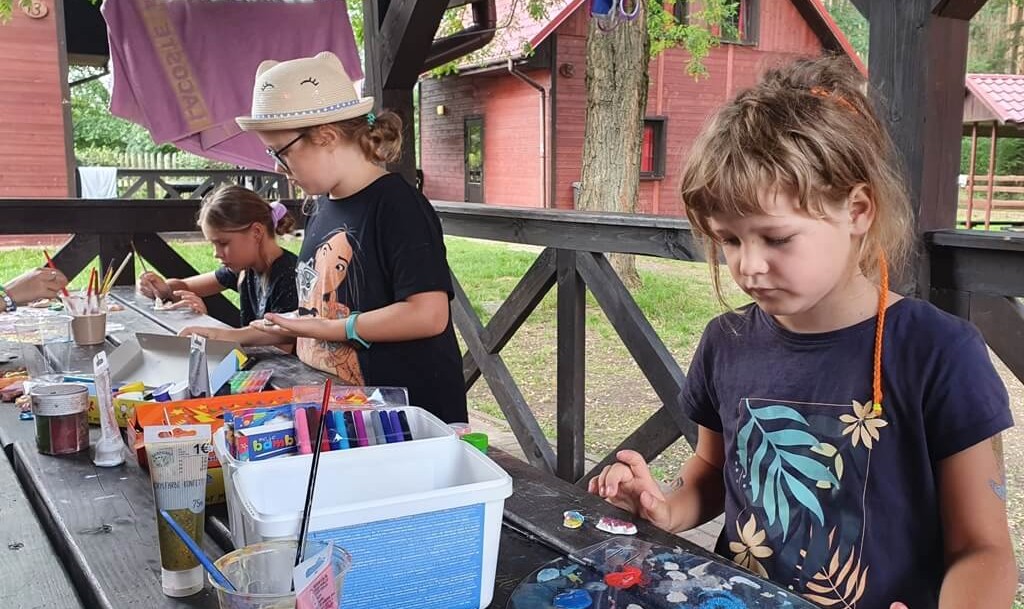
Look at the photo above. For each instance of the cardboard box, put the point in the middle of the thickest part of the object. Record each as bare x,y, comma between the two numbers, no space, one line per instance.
157,359
208,411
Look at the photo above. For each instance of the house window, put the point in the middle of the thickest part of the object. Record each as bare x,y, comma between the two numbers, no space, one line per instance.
652,152
741,26
681,11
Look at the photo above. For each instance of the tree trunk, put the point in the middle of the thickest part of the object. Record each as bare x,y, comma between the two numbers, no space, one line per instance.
616,104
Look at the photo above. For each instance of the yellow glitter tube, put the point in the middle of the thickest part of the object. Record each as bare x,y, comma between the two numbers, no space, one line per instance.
178,456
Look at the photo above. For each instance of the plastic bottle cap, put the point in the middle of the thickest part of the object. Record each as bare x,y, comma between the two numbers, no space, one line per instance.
181,583
477,439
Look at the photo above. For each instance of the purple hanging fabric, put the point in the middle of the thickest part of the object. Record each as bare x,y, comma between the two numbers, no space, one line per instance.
184,69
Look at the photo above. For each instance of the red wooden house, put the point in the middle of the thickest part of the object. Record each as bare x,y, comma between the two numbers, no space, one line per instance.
37,46
508,128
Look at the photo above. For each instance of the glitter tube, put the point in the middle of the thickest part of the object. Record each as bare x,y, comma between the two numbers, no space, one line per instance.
178,459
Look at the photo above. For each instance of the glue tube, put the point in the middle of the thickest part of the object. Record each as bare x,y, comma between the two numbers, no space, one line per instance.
110,448
178,457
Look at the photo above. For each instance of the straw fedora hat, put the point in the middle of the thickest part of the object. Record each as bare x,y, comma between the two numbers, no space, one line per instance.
303,92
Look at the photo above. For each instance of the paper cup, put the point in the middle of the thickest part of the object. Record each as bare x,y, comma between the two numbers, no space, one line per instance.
89,329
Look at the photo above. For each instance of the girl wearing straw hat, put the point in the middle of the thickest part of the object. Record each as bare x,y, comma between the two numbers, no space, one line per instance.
373,279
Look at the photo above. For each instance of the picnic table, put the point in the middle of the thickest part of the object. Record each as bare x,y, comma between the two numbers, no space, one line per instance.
76,535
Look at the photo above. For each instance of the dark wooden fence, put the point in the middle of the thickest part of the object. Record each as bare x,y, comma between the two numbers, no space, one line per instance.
977,276
195,183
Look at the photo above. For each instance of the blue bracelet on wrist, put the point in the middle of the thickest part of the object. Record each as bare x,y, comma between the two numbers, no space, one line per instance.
350,331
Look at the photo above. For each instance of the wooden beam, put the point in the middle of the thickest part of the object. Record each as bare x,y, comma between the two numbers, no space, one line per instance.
571,369
637,334
650,440
917,66
1001,321
76,254
404,42
524,425
114,248
957,9
864,6
105,216
971,261
521,302
400,102
993,138
666,237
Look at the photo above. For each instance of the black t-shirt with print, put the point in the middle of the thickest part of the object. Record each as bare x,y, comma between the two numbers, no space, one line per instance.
276,295
365,252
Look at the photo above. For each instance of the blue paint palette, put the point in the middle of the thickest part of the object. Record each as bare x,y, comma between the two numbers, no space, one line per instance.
636,574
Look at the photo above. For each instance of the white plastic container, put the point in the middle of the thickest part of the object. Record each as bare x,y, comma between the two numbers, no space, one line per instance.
425,428
422,520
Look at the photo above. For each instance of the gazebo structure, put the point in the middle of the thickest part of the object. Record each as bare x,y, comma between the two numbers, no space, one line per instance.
994,106
917,68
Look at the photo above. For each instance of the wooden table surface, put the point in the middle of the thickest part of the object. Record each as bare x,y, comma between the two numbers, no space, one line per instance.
101,522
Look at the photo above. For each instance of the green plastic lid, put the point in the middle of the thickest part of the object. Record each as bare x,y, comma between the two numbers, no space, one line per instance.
477,439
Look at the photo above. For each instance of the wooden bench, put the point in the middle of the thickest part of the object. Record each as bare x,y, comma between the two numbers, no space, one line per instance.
32,574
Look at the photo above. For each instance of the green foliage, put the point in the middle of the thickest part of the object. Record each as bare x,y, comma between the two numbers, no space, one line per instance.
101,137
696,34
1009,156
96,127
7,9
991,39
852,24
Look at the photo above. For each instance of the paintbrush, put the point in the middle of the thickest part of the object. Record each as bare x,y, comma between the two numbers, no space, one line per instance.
89,291
117,273
142,262
201,556
304,526
64,290
107,274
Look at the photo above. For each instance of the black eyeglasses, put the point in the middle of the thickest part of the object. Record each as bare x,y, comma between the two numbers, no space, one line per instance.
278,155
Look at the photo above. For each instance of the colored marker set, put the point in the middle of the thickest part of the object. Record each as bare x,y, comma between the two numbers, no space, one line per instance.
249,381
356,428
256,434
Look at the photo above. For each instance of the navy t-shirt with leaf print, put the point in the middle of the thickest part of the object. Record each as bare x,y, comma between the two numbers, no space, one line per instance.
822,495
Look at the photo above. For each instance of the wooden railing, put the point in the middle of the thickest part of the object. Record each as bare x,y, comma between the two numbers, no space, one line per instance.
1006,193
195,183
977,276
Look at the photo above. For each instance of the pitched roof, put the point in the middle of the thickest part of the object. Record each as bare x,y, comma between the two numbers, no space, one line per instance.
1002,94
517,31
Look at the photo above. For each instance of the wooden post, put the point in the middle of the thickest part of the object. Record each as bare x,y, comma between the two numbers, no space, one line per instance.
571,367
397,35
970,175
917,64
991,175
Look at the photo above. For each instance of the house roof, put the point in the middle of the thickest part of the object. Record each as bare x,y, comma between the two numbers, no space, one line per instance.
1001,94
517,31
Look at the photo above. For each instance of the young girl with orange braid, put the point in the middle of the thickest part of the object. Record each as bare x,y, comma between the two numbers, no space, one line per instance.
850,435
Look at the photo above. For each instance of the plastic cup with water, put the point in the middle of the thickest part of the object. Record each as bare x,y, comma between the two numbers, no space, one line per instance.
262,574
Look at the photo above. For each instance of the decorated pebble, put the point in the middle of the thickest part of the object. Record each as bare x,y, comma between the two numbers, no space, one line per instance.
616,526
547,575
572,519
573,599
